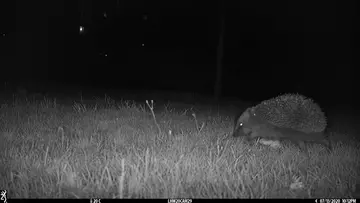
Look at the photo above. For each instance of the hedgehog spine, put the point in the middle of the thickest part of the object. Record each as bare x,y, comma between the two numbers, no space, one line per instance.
292,111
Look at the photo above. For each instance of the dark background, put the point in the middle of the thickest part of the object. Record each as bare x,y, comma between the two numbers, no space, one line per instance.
270,47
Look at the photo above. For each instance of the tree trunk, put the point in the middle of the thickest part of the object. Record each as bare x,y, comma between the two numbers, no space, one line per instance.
219,57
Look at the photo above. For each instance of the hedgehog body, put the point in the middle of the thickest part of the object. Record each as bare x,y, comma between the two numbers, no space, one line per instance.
291,111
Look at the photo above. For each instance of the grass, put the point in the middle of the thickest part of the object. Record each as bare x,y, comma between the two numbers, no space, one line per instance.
111,149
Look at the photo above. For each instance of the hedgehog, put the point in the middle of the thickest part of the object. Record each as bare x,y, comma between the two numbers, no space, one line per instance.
253,128
289,111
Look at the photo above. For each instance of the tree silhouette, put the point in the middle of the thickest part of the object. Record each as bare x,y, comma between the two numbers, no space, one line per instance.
220,52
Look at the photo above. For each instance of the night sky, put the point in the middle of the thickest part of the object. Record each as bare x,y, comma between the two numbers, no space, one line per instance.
269,47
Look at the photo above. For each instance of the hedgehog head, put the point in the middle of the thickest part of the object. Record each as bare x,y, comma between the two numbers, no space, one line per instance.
246,123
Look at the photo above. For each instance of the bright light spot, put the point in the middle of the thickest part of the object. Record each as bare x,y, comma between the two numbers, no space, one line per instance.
103,54
3,34
105,15
142,44
81,29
